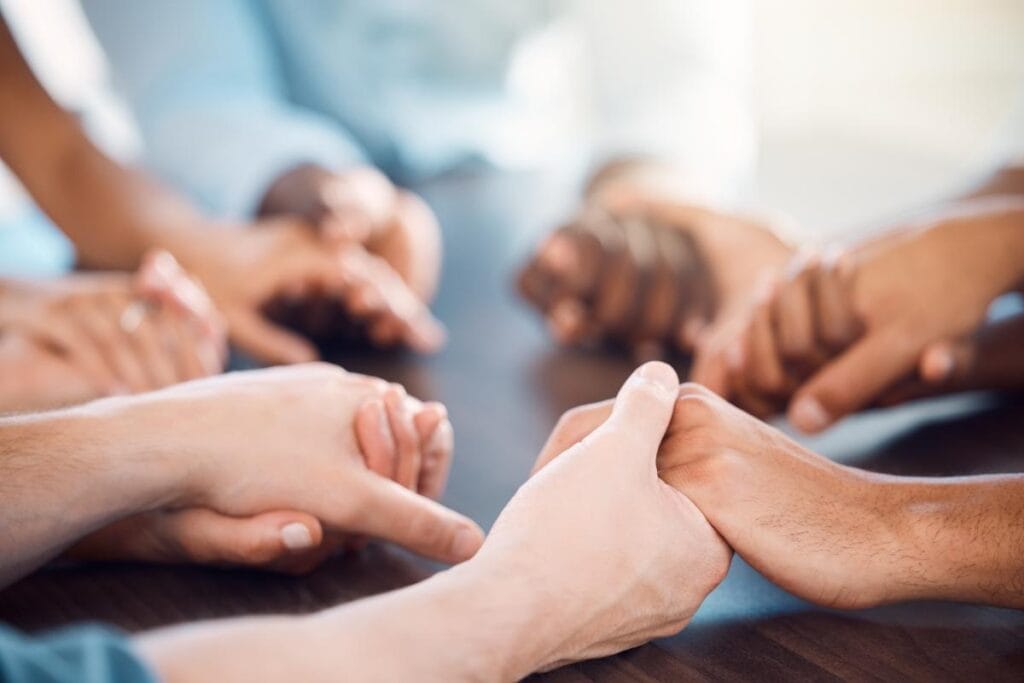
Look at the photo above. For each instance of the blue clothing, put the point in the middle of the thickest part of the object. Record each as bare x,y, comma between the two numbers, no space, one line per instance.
229,94
81,654
32,246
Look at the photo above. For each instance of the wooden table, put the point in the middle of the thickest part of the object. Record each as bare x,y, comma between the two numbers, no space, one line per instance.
505,385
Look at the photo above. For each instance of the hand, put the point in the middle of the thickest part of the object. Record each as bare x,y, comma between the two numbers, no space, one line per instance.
246,269
34,377
654,274
827,533
111,332
839,334
618,556
289,439
360,205
398,437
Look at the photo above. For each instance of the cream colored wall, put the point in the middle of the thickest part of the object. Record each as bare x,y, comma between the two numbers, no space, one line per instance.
871,106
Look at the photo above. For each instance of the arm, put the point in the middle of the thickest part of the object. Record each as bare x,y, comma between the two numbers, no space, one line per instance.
66,473
211,99
861,538
59,470
522,603
113,214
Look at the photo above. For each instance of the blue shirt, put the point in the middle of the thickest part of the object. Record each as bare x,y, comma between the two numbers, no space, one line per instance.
82,654
230,93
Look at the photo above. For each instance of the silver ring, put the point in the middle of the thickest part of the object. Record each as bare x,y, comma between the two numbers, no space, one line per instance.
132,316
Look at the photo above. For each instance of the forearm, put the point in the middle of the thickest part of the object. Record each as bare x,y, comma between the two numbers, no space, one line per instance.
64,474
111,213
462,624
963,538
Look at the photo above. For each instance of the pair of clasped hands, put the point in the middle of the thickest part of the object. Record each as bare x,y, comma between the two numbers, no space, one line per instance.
328,252
817,335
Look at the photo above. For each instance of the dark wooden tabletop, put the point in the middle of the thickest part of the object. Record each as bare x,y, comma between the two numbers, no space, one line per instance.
505,385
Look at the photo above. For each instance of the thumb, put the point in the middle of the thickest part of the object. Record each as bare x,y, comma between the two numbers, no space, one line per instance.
267,341
210,537
642,410
852,381
396,514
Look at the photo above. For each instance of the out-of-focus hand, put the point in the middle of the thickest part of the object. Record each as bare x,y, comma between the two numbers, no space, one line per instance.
245,269
619,556
840,333
110,332
650,273
360,205
313,439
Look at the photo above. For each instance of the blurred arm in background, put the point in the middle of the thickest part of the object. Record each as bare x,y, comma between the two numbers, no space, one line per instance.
114,214
213,99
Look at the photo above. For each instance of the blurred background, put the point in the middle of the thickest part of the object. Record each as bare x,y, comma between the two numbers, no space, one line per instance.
858,109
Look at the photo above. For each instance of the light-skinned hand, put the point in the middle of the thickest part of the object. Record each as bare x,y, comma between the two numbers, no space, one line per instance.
620,556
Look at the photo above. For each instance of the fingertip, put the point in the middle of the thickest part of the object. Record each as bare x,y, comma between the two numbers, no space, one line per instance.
466,542
937,364
808,415
659,375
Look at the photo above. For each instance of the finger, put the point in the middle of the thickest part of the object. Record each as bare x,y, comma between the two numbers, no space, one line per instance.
853,380
407,469
101,323
258,540
428,417
571,429
65,337
377,443
266,341
394,513
156,358
185,345
837,324
437,460
764,367
162,279
946,360
567,321
642,411
792,312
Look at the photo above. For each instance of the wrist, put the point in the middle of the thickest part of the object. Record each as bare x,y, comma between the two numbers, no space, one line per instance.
125,441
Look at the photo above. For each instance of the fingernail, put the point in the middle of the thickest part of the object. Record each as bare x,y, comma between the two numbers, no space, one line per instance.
808,415
660,375
296,537
465,544
939,366
383,425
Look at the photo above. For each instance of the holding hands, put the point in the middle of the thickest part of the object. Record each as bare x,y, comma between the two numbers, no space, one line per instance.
870,325
650,274
620,555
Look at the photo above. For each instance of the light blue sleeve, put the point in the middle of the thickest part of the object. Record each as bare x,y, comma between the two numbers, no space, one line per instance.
206,88
82,654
